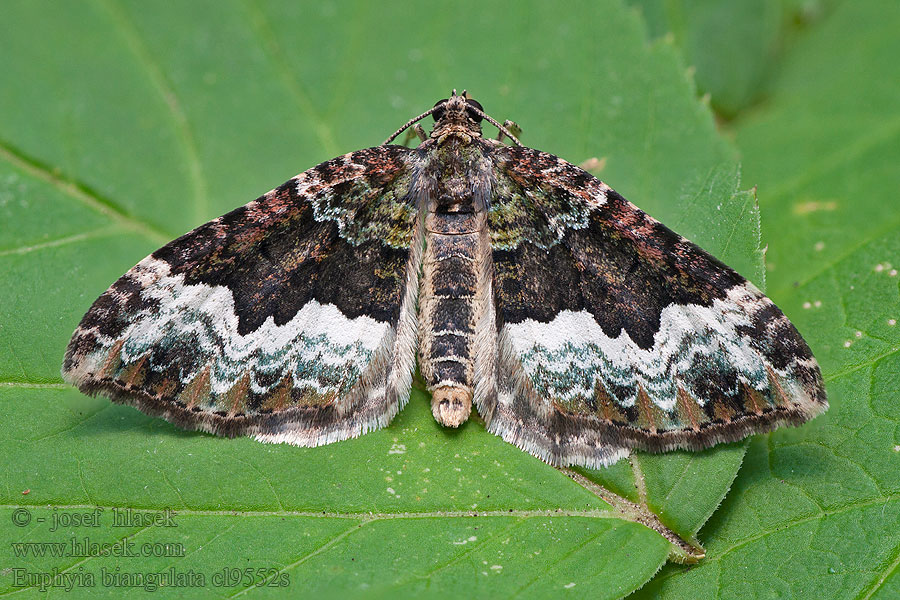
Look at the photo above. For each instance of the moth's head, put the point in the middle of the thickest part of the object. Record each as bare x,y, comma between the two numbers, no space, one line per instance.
460,117
457,115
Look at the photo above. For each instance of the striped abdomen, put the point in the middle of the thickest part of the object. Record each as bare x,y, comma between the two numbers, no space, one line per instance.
456,267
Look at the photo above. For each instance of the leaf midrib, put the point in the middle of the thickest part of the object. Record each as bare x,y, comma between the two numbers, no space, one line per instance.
365,515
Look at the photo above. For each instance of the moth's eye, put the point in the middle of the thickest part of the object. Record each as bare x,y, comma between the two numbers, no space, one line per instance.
439,113
472,114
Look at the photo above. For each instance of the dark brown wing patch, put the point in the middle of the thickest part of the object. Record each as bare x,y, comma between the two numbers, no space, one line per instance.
286,318
621,334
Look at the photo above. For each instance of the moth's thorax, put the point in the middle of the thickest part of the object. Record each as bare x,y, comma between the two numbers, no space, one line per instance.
449,132
456,176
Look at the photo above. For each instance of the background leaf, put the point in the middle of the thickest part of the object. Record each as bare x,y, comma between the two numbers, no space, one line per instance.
734,48
732,45
123,124
814,512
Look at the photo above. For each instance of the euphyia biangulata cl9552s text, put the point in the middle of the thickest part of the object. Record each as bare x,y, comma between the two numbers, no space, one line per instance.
579,327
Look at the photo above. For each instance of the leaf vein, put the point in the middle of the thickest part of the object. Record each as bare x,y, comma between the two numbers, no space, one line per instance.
798,522
879,581
165,89
270,47
437,514
323,548
81,192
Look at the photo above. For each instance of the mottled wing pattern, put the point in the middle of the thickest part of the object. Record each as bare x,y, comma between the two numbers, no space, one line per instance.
615,333
291,319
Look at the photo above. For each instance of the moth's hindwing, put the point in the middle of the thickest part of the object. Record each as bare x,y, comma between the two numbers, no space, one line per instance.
290,319
615,333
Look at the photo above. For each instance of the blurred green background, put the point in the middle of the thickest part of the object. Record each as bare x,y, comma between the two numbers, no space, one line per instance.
768,131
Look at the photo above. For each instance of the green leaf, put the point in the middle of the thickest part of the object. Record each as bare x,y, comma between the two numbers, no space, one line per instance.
814,512
733,46
122,125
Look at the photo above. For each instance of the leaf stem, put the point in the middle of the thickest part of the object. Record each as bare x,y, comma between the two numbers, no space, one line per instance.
682,551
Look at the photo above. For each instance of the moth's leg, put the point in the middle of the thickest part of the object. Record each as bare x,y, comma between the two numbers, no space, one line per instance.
512,127
410,134
592,164
414,131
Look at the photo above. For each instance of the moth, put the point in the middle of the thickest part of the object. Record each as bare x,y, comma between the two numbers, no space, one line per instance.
578,326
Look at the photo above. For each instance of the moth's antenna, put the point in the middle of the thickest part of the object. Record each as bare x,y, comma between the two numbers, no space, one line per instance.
487,118
474,109
411,122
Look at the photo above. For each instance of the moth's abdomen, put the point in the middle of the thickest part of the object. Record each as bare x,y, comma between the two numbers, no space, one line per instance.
457,252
